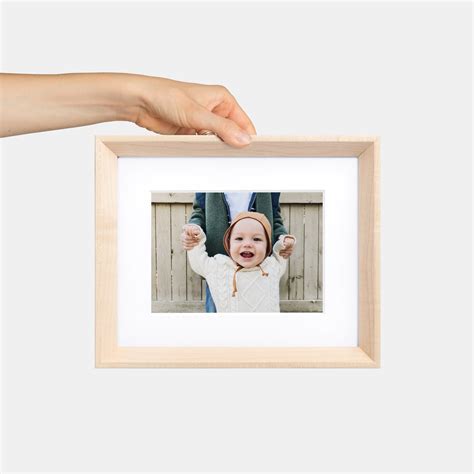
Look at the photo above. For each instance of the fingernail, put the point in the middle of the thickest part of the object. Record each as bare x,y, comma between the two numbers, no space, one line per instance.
243,138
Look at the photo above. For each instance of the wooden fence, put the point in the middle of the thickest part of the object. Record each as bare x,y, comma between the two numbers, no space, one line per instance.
176,288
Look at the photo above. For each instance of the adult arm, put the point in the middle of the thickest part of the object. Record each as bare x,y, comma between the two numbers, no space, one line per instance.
198,216
35,102
278,225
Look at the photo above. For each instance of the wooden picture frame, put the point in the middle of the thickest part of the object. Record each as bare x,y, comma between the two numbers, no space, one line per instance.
110,354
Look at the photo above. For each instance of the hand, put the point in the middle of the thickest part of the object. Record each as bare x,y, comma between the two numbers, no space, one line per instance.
190,236
287,247
172,107
39,102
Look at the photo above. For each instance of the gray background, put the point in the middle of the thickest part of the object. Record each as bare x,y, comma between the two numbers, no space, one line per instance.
401,71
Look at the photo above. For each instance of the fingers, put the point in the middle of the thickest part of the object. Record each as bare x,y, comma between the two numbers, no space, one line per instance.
190,237
191,229
226,129
189,244
185,131
284,255
228,107
242,119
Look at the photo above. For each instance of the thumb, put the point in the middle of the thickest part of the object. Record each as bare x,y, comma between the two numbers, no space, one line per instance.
225,128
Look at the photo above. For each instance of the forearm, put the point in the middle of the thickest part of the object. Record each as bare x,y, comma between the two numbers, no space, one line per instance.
33,103
197,218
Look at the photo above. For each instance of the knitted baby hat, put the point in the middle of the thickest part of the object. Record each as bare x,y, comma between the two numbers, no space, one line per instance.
262,218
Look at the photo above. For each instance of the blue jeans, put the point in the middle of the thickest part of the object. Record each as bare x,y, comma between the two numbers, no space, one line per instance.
210,306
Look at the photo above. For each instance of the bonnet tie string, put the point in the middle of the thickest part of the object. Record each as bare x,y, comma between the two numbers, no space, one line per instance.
264,274
234,281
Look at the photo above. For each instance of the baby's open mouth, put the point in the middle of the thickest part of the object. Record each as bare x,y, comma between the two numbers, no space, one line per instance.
246,254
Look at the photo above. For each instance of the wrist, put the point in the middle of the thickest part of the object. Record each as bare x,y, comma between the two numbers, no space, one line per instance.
140,94
128,95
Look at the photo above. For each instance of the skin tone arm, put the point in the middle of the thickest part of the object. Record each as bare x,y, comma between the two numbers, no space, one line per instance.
35,103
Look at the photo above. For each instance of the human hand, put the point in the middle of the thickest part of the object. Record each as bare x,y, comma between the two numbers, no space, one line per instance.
287,246
190,236
182,108
41,102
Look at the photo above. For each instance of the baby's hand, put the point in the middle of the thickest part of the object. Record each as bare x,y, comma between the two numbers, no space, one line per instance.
287,246
190,236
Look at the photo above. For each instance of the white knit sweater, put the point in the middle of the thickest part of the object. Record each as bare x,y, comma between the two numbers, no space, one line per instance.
255,292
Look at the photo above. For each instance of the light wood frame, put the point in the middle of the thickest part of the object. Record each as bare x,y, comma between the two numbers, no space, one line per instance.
110,354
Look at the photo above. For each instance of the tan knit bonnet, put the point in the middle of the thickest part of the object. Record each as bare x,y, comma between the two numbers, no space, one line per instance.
262,218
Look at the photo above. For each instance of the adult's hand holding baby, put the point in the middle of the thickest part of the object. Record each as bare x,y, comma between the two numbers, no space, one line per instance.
287,247
40,102
190,236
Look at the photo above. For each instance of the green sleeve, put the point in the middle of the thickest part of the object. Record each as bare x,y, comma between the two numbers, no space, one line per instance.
278,226
198,215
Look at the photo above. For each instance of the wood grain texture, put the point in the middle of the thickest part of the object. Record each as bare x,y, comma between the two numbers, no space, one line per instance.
154,274
309,197
178,254
163,251
105,254
320,254
109,354
296,261
185,145
285,279
311,251
243,357
369,252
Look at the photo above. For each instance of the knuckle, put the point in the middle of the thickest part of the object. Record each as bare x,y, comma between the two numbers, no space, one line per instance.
222,90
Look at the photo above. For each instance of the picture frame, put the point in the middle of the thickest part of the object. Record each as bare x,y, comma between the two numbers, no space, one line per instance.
109,353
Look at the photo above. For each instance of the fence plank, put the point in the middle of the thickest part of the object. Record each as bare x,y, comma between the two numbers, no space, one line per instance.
301,198
163,252
153,252
311,251
178,307
193,280
171,198
284,281
285,198
300,306
320,252
296,273
178,254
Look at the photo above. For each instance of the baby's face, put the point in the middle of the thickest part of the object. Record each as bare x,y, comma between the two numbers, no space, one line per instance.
248,243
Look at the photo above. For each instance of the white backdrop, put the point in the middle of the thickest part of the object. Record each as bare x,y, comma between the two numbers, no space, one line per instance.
401,71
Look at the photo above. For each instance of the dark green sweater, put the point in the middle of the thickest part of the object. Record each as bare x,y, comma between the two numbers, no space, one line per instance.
211,212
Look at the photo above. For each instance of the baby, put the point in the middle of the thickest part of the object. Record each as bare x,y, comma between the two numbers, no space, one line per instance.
248,279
